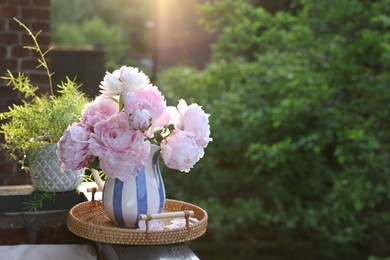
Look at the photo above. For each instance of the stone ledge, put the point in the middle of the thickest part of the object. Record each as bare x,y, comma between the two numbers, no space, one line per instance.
16,190
47,225
14,198
40,228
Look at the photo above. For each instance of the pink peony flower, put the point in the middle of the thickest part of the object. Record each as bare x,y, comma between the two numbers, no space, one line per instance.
169,116
117,138
98,110
193,119
121,150
140,119
73,147
180,151
121,80
149,98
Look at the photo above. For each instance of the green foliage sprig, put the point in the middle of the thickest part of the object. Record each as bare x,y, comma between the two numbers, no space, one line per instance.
36,47
37,199
40,119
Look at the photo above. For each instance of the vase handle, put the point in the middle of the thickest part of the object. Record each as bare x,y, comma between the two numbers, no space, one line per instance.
97,179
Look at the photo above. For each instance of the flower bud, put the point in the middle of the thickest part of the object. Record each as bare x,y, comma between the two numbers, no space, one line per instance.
140,119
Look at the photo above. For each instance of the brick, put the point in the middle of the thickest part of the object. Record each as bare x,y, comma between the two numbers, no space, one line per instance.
14,221
10,64
7,92
5,73
3,108
14,236
19,179
50,229
3,157
19,51
2,183
7,167
8,11
39,79
29,64
8,170
43,40
21,2
15,26
3,51
15,101
3,24
41,2
9,38
35,55
40,14
37,26
48,234
43,89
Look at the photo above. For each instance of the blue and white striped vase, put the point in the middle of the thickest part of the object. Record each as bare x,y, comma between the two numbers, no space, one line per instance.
124,201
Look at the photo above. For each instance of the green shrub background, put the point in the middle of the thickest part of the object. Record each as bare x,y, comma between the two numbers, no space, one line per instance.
300,104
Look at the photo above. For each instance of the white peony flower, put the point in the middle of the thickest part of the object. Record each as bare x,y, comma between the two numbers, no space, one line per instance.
121,80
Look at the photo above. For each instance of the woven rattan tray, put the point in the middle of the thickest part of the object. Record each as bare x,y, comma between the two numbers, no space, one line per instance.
88,220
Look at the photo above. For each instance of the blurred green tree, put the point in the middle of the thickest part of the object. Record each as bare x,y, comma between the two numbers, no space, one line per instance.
300,116
119,25
95,32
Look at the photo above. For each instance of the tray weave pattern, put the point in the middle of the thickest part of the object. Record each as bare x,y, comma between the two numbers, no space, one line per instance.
88,220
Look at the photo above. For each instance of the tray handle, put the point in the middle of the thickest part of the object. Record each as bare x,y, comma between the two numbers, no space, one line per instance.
179,214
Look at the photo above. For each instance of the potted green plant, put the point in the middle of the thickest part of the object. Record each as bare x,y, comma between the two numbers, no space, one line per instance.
33,128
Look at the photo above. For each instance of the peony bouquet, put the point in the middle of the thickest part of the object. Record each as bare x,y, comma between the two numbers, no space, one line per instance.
117,129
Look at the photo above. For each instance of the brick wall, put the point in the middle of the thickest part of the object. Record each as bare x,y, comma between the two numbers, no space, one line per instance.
35,14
